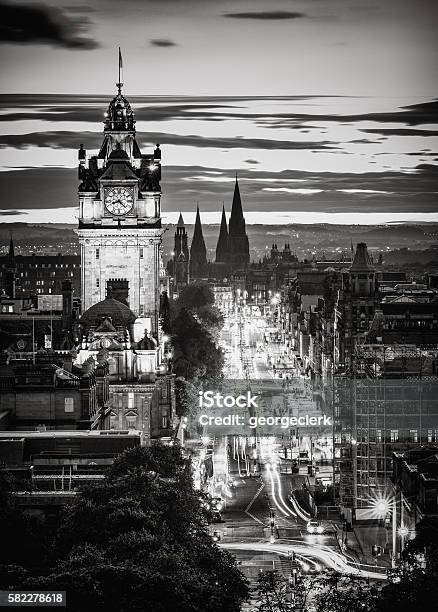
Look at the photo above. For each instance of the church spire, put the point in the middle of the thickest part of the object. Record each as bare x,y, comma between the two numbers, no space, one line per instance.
222,243
198,252
238,240
237,221
180,220
11,253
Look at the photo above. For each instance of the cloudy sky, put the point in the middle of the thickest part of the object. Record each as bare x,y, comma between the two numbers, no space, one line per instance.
326,109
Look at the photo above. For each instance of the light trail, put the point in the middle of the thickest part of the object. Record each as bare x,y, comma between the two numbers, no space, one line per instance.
301,513
280,493
274,497
328,558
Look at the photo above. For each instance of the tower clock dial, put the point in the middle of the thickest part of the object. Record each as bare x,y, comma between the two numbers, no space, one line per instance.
119,200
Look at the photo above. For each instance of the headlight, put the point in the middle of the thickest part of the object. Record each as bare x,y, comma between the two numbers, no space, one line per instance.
320,529
310,529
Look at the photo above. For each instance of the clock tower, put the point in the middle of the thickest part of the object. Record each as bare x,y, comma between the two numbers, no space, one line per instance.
120,217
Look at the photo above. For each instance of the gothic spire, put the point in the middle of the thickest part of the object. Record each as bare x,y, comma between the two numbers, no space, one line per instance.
11,253
222,243
237,238
362,260
237,221
180,220
198,252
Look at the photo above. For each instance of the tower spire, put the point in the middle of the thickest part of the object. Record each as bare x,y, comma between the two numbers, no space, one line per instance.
198,252
120,83
11,253
222,243
238,239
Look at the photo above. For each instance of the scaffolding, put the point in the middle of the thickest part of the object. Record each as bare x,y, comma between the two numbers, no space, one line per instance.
386,403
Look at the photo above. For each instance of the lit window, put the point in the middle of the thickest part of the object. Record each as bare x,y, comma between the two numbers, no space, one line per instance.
394,435
68,404
413,434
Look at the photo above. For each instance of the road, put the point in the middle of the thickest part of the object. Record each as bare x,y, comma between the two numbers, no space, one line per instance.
262,516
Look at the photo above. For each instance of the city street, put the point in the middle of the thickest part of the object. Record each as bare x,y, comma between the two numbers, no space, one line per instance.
263,520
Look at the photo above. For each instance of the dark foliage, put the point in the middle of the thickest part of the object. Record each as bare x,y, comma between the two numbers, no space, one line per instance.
139,541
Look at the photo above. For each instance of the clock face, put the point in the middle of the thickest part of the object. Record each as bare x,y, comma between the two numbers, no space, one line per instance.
119,200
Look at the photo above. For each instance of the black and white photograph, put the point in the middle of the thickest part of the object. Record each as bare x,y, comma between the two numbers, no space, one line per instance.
219,305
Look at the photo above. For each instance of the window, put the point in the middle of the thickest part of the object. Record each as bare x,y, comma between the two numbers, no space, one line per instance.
413,434
394,435
429,435
97,282
131,421
97,253
68,404
130,400
141,253
378,435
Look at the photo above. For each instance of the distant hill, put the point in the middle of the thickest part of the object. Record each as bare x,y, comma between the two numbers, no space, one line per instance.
305,239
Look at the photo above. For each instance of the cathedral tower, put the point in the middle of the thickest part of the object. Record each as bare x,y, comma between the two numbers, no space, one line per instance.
198,252
222,247
120,217
181,256
238,240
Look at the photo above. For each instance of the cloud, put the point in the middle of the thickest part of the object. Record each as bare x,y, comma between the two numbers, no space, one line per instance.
401,132
42,24
269,15
93,140
11,212
45,188
162,42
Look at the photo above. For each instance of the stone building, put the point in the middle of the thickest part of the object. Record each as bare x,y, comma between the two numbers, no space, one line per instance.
120,216
123,280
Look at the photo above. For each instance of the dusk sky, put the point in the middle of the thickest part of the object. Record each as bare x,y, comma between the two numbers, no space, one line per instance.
326,109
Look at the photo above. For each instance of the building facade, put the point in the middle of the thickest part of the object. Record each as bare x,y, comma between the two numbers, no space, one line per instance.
120,216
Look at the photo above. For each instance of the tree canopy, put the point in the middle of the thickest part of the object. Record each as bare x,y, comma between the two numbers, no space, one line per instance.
138,541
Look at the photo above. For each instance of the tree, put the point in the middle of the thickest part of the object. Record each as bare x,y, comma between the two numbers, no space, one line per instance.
195,354
139,540
194,296
276,594
336,592
24,544
413,584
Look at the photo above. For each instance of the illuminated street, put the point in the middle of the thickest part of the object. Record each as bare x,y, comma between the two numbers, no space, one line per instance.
261,514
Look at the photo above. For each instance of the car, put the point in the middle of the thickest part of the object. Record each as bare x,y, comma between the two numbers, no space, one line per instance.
314,526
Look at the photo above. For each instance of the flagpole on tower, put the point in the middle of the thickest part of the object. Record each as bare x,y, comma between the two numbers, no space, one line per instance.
119,84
